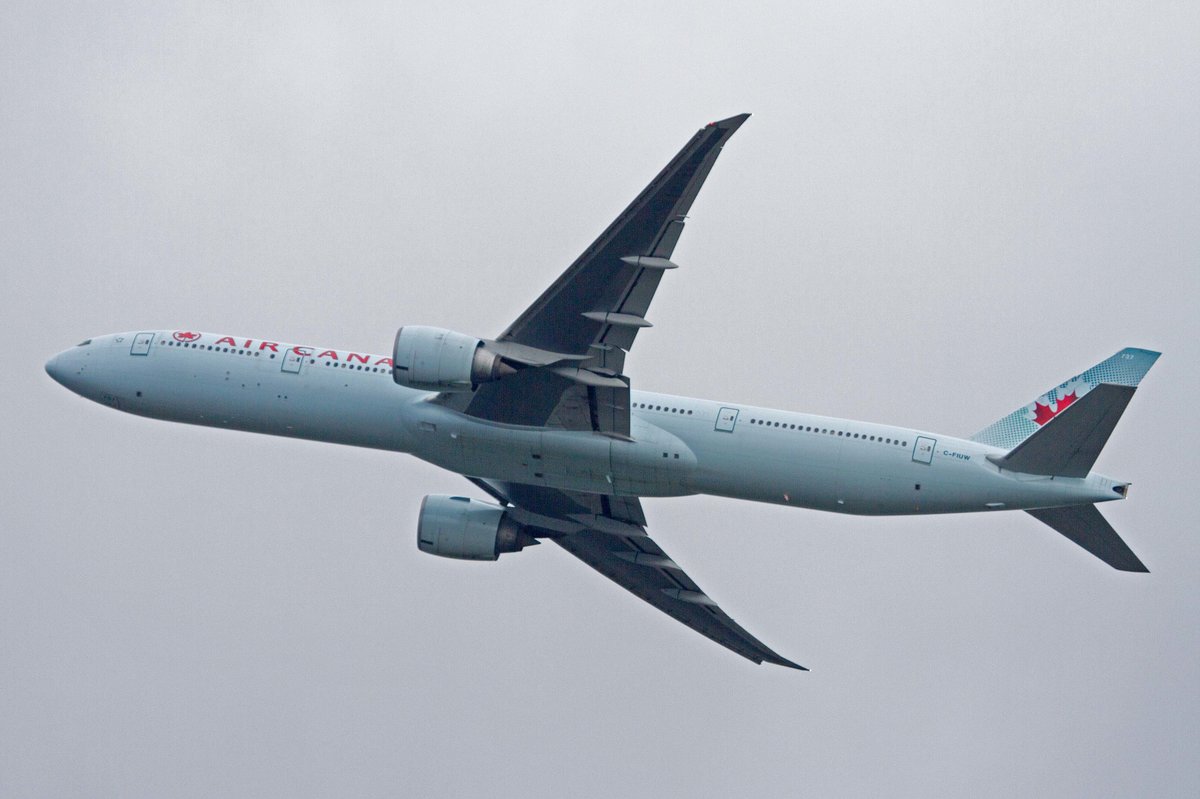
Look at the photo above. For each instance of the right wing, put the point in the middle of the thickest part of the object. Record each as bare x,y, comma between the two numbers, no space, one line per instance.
608,533
603,296
571,342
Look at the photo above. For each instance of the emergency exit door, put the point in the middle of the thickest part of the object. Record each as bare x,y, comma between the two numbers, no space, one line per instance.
141,344
292,361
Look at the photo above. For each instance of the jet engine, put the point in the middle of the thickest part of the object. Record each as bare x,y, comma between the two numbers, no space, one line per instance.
458,527
433,359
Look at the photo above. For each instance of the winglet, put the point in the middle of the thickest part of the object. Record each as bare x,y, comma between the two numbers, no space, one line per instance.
731,124
778,661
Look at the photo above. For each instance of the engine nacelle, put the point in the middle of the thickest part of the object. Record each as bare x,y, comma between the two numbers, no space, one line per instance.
433,359
458,527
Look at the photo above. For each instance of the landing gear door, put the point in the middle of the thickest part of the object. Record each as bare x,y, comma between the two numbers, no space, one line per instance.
141,344
292,361
726,419
923,451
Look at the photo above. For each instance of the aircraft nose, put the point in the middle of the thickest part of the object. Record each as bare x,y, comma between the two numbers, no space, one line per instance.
54,369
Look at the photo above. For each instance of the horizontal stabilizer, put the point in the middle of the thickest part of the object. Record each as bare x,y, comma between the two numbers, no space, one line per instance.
1084,525
1069,444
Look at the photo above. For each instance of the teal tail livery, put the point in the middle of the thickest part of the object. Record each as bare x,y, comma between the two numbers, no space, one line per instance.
546,422
1060,435
1126,368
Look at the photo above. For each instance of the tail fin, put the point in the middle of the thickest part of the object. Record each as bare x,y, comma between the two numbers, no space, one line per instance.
1126,368
1084,525
1069,446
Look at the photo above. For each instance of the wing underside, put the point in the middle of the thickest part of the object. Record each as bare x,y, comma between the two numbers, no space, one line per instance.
608,534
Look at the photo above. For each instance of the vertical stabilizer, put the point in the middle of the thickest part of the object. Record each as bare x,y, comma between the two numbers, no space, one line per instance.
1069,446
1126,368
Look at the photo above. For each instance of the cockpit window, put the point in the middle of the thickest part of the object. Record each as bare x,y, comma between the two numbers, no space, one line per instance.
84,343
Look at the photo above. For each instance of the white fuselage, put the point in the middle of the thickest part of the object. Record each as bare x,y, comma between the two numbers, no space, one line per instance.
680,445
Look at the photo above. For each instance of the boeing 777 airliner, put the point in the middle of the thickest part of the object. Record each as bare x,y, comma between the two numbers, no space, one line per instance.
542,420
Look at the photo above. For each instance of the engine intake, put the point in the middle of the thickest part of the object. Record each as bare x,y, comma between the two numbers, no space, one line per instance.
467,529
433,359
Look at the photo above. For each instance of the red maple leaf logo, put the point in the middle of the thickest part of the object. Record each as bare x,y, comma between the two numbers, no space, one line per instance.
186,335
1044,413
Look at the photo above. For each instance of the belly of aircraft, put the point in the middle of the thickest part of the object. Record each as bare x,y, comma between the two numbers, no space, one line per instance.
653,463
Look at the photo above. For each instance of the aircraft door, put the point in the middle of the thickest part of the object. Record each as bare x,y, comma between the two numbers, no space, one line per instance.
726,419
141,344
292,361
923,450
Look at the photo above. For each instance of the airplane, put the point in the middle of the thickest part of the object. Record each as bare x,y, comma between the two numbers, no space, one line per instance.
543,420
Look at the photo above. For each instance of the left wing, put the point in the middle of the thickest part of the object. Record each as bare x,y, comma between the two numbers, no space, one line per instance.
608,533
571,342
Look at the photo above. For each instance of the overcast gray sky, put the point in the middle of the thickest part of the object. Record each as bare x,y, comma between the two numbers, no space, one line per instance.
937,211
